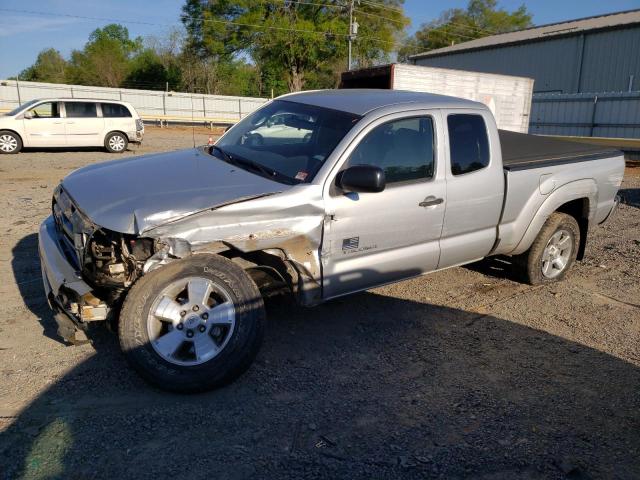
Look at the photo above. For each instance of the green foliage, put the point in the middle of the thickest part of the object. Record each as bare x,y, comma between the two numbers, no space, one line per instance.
50,66
106,58
480,19
297,41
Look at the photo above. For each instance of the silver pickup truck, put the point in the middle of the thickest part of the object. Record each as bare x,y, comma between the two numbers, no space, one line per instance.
354,189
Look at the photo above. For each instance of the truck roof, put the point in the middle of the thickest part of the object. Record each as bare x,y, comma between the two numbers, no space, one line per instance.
362,101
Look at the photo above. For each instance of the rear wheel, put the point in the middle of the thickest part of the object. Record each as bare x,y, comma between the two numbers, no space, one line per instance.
10,142
192,325
553,252
116,142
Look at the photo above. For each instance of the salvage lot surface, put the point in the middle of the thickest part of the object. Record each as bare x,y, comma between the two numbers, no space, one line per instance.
463,373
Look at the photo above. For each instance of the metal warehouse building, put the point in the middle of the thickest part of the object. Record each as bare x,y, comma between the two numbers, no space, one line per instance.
586,72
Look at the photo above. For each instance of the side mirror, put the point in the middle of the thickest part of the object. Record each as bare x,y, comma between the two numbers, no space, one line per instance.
362,178
27,115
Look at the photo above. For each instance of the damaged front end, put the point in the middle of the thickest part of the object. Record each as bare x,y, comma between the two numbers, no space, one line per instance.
85,268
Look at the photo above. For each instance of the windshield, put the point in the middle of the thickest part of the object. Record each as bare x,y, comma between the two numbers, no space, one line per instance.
20,108
289,139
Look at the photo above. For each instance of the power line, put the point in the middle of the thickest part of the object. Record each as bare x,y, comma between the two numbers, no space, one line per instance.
230,22
362,12
381,5
137,22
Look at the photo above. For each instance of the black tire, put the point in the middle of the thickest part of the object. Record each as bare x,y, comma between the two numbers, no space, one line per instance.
11,140
116,142
530,263
241,347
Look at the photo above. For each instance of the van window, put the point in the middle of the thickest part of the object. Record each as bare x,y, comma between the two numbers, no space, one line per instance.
468,143
45,110
80,110
114,110
402,148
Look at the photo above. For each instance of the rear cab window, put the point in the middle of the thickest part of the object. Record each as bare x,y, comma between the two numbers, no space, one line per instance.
80,110
468,143
114,110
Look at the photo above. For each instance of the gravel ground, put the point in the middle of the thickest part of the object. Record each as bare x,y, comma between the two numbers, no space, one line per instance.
461,374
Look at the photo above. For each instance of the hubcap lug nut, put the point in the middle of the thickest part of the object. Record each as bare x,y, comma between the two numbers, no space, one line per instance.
183,313
201,328
196,308
180,326
189,333
205,316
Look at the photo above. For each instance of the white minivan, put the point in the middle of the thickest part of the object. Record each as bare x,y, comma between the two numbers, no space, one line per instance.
71,122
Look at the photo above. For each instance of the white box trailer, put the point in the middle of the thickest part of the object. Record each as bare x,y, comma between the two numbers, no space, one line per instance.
508,97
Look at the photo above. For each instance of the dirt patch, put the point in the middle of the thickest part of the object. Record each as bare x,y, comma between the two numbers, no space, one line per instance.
463,373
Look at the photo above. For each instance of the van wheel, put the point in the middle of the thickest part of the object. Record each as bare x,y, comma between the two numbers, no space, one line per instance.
553,252
192,325
10,142
116,142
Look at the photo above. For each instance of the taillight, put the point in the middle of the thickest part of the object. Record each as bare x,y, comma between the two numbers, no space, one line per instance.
139,124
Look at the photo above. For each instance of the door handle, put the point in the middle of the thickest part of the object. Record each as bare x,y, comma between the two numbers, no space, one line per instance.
430,201
57,123
70,123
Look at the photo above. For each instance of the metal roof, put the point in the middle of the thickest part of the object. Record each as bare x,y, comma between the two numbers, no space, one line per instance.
571,27
361,101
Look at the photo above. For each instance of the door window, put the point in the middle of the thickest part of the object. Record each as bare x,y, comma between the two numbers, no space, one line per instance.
468,143
80,110
404,149
45,110
114,110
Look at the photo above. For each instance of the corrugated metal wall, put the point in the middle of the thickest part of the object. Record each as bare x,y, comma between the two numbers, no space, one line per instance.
579,67
150,104
587,115
608,58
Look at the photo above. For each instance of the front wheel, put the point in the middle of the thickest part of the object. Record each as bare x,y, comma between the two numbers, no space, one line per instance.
116,142
553,251
193,325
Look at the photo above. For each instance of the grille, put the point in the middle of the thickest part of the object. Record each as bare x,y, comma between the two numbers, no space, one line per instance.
72,238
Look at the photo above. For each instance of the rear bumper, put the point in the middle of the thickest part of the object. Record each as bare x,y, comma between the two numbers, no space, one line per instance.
69,296
135,137
616,202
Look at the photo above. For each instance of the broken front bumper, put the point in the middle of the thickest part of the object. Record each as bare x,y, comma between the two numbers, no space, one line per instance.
69,296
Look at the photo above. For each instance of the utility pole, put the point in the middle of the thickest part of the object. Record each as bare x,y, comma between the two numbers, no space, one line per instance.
353,30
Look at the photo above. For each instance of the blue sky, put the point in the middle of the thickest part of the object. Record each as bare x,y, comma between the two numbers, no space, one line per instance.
22,36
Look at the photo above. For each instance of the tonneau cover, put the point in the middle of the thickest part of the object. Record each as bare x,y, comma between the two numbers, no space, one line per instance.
520,151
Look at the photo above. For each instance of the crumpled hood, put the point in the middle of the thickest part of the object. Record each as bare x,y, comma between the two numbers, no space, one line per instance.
134,195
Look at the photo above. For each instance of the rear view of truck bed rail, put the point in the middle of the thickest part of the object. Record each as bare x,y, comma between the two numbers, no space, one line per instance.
521,151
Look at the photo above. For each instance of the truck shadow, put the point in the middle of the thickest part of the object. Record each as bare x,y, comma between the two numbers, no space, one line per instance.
25,264
369,386
630,196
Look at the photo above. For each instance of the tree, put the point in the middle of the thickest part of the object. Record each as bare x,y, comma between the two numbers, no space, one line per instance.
49,67
480,19
105,59
291,39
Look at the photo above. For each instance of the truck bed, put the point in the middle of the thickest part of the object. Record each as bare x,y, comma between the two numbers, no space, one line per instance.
521,151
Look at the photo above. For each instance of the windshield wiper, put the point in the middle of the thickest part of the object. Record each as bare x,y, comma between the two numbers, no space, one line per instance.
250,164
255,166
